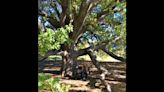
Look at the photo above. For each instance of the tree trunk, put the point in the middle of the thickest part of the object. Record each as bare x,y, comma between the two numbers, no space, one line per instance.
69,64
63,67
74,68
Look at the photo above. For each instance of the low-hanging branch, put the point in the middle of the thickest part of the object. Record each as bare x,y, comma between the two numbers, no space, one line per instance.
105,49
52,52
102,46
112,54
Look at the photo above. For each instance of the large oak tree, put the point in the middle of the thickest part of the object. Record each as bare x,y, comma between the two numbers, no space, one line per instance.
72,28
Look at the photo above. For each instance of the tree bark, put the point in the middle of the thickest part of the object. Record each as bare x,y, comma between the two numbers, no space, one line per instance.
70,67
63,67
68,63
64,5
112,54
103,47
101,69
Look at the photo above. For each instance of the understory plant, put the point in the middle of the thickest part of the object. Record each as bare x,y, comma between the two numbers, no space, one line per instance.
46,82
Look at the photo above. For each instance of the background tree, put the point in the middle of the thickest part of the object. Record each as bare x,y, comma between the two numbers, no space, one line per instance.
72,28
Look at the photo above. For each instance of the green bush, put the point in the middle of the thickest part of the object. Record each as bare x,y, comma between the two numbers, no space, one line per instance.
46,82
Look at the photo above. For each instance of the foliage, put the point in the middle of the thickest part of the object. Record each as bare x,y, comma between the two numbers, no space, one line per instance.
113,26
41,81
53,84
53,39
109,26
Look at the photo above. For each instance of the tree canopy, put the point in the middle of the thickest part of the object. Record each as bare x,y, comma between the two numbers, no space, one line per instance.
84,22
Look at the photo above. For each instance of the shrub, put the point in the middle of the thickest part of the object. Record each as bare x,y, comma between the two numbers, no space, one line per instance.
46,82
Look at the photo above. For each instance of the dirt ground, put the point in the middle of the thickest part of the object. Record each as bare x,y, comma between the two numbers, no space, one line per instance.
117,84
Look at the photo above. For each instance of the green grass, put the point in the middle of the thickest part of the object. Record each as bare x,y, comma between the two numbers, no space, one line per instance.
84,57
54,57
87,58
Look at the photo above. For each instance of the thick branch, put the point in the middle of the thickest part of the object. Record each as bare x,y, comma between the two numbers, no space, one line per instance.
94,5
40,27
52,52
51,19
100,69
44,14
96,47
101,45
54,23
83,51
64,5
80,19
102,14
105,49
112,54
78,22
95,62
105,11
